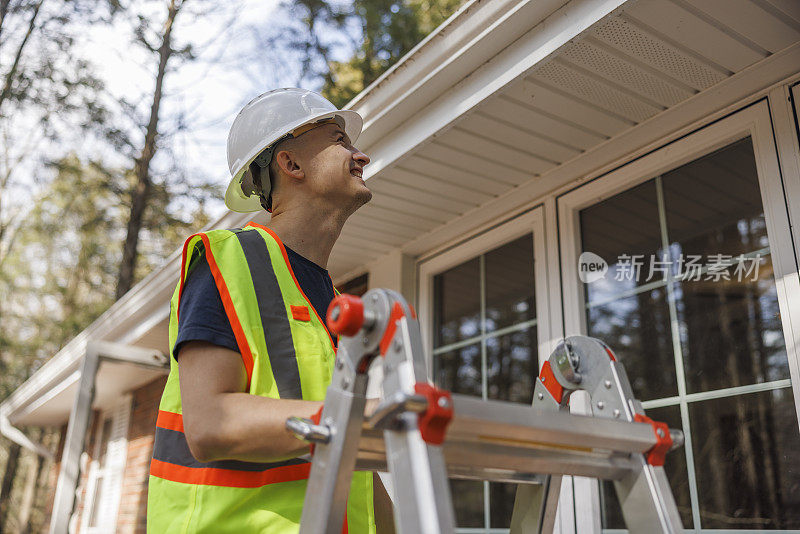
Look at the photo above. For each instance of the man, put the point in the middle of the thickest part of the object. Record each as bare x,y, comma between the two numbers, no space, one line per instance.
246,330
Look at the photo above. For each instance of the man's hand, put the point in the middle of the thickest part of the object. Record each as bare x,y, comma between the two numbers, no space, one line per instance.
221,421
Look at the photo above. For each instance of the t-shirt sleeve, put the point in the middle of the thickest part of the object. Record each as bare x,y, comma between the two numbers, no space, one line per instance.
202,316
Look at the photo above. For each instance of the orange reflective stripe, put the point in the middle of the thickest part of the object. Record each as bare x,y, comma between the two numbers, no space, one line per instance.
184,259
291,271
212,476
227,303
170,420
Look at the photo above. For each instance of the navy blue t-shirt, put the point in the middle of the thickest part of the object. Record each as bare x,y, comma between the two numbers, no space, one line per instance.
203,318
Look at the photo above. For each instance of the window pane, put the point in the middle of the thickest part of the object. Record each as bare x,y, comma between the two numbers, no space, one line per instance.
638,330
677,474
459,370
511,366
730,323
747,461
356,286
501,503
713,204
467,502
731,332
457,303
509,284
623,225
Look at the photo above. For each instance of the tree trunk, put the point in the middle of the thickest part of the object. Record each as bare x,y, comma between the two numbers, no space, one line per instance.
8,483
141,191
12,73
3,12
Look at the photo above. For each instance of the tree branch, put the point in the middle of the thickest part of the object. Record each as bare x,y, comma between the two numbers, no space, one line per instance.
12,73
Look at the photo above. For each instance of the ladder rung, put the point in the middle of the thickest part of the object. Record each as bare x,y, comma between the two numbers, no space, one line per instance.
496,440
501,422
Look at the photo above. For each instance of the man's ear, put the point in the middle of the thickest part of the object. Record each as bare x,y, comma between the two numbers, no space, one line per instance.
287,162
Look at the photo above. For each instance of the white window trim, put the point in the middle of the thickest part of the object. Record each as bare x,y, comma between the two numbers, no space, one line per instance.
547,296
530,222
783,112
753,121
114,467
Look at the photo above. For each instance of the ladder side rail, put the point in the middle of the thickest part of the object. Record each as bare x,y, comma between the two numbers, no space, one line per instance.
333,462
536,506
418,469
338,431
645,495
648,505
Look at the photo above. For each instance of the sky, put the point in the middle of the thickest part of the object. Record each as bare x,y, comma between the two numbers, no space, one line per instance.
209,91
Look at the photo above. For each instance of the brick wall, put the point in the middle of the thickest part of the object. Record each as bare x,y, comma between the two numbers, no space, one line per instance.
52,478
133,503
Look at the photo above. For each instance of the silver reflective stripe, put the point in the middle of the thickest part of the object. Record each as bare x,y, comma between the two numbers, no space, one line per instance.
277,332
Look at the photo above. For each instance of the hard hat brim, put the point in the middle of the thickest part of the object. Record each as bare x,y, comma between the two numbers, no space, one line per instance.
236,200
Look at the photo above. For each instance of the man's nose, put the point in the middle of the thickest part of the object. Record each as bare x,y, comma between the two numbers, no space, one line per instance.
360,157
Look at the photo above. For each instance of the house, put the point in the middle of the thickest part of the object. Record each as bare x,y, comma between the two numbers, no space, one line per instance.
520,142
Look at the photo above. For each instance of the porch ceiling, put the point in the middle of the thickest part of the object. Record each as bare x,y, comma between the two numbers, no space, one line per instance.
53,406
645,59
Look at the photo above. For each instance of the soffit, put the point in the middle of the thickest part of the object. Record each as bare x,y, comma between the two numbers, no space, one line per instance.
645,59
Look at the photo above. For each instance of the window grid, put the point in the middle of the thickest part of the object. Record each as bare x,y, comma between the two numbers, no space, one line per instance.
683,398
482,338
677,351
485,337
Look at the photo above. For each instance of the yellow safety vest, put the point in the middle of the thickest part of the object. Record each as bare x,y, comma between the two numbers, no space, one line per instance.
288,354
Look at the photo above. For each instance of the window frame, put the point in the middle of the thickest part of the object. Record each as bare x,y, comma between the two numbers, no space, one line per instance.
753,121
529,222
108,476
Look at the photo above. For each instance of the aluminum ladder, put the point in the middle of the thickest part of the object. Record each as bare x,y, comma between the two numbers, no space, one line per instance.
422,435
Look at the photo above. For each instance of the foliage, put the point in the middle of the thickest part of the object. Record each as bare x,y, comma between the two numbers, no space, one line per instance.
390,28
46,91
64,276
372,35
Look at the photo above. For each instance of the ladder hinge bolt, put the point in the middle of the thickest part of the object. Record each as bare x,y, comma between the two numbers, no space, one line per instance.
443,402
397,345
541,396
365,341
600,405
607,384
616,414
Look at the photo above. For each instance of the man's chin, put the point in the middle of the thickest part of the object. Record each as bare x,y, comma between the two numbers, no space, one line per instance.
363,196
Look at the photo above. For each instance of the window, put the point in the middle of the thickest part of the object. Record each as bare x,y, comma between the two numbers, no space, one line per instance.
355,286
104,485
485,339
691,304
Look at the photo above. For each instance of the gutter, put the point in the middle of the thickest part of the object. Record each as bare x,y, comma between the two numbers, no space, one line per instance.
14,434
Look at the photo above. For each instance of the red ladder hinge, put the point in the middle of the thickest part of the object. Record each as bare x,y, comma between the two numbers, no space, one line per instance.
434,420
657,454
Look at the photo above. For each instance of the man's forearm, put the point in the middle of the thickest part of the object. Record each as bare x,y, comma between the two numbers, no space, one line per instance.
221,421
240,426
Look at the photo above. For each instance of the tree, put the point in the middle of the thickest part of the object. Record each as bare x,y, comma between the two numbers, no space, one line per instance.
43,87
161,44
385,30
141,191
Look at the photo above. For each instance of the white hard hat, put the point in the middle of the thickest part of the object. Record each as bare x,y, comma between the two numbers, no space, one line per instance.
269,118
